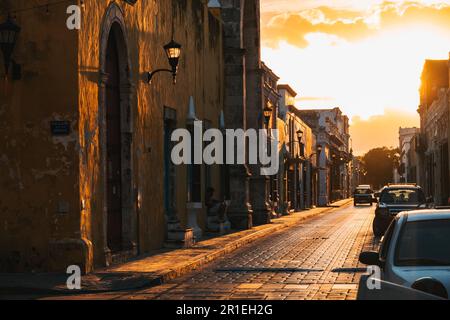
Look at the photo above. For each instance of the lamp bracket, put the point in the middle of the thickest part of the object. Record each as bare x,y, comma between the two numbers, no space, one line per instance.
150,75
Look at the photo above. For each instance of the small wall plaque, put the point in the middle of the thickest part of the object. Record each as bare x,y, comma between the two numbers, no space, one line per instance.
60,128
63,207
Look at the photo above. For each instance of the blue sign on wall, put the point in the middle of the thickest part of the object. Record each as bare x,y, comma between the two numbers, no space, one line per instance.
60,128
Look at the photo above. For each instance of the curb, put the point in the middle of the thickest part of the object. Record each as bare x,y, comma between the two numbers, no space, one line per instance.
148,281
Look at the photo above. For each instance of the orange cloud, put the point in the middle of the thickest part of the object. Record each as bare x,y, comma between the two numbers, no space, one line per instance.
380,130
293,27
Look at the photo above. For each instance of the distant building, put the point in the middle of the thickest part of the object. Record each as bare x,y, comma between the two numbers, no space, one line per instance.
331,128
287,99
403,173
432,145
271,100
302,167
435,76
295,186
413,160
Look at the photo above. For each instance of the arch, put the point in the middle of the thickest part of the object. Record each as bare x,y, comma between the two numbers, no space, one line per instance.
114,30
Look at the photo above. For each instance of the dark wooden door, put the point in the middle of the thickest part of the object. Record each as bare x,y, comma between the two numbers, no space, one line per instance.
113,146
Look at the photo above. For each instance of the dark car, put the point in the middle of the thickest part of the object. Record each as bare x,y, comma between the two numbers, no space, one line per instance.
363,194
394,199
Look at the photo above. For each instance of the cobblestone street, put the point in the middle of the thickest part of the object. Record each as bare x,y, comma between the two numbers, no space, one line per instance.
317,259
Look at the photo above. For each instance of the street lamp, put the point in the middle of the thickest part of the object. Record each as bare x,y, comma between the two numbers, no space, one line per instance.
173,52
300,144
267,115
299,135
9,32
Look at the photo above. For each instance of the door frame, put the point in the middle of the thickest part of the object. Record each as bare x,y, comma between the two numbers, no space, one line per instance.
114,22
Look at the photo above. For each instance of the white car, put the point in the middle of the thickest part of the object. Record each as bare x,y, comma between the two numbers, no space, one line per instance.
415,252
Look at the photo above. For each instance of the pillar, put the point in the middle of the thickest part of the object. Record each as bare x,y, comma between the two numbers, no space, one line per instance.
240,211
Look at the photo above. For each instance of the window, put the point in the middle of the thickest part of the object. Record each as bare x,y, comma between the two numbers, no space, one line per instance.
402,196
363,191
424,243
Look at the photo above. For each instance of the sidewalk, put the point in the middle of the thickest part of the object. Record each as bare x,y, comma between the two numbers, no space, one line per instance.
154,269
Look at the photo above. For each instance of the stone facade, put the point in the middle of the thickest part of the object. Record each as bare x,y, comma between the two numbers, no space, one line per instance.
331,128
55,210
301,171
432,145
271,100
405,174
243,106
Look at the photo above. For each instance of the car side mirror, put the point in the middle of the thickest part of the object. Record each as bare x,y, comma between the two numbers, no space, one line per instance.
377,194
370,258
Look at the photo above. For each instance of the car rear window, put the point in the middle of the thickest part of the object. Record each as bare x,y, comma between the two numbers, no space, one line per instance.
402,196
424,243
363,191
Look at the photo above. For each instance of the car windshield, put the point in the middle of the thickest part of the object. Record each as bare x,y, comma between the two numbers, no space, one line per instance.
363,191
402,196
424,243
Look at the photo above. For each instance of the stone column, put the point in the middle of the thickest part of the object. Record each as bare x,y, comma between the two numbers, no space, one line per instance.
282,186
194,205
309,185
239,212
301,186
259,191
298,202
323,180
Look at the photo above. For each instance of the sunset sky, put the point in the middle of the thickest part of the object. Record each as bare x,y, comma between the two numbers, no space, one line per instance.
364,56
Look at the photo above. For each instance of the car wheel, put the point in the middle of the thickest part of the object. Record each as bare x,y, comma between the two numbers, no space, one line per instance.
431,286
377,228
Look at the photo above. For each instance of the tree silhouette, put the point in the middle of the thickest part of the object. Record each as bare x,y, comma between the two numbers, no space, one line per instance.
379,165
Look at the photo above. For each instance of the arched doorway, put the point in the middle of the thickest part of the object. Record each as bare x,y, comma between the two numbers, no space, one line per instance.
116,131
113,146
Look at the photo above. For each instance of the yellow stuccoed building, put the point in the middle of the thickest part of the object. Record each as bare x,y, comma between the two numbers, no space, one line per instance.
85,177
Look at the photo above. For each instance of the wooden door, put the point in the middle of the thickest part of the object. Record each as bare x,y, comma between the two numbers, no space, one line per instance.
113,146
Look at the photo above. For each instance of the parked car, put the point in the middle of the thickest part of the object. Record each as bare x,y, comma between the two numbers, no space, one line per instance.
394,199
415,253
363,194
